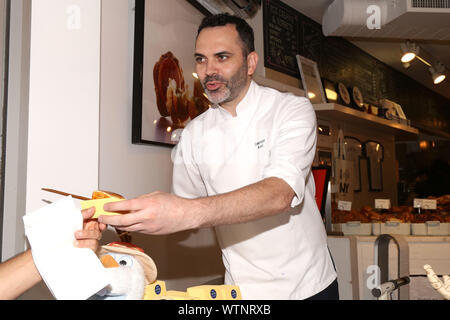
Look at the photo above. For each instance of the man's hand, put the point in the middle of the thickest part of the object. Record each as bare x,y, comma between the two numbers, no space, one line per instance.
91,233
154,213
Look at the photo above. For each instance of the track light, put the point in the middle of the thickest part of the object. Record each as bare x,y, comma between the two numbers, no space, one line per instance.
410,51
437,72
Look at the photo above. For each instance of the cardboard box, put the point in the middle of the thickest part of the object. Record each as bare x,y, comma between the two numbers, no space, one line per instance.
391,227
353,228
418,229
430,228
436,228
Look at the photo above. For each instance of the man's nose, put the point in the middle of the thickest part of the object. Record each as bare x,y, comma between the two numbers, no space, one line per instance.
211,68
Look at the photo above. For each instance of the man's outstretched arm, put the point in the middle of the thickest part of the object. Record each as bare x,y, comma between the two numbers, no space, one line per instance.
163,213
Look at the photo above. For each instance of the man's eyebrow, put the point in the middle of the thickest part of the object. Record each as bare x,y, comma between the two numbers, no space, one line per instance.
221,53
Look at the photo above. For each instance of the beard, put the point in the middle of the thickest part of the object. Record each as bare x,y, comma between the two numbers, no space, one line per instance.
230,90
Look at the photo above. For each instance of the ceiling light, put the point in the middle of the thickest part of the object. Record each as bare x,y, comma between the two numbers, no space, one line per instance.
410,51
408,56
438,72
438,79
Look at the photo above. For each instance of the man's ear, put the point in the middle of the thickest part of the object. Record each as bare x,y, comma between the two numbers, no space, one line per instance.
252,62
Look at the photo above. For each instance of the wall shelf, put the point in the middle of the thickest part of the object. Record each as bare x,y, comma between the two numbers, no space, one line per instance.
334,111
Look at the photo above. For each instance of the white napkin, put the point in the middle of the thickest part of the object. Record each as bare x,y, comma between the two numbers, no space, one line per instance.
70,273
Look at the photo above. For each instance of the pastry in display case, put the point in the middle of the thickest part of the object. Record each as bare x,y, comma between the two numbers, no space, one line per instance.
396,213
405,218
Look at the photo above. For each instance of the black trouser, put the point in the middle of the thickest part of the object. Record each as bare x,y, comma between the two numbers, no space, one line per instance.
329,293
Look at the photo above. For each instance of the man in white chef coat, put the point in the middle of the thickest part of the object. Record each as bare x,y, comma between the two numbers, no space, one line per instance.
244,168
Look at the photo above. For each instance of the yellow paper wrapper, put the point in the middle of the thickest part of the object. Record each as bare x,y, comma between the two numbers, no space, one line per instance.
98,204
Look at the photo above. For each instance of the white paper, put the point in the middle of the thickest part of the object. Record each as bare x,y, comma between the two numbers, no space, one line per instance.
70,273
425,203
382,203
344,205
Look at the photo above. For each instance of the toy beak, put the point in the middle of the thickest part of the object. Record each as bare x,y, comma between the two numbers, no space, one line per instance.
108,261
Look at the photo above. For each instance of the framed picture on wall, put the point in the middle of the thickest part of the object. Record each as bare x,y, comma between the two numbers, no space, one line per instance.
312,83
166,93
330,91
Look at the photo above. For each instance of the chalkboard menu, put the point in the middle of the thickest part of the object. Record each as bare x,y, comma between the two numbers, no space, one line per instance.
287,33
281,37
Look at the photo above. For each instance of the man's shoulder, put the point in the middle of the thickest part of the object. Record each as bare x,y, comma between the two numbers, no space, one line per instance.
282,102
280,97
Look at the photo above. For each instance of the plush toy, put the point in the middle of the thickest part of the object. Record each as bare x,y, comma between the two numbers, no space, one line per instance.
442,287
129,269
132,276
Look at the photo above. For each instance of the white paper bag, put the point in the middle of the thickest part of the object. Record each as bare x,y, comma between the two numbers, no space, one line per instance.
342,172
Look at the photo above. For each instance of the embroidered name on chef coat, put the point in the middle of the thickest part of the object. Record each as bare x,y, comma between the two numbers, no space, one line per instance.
260,143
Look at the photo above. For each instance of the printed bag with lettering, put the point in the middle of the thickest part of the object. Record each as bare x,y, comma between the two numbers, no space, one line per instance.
342,172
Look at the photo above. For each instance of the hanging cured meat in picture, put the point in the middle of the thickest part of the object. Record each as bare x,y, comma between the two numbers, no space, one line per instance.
166,93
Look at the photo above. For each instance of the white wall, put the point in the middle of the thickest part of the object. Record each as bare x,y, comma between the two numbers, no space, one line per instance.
53,108
62,142
63,127
13,239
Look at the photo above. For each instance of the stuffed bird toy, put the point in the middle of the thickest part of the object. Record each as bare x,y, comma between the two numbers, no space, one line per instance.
129,270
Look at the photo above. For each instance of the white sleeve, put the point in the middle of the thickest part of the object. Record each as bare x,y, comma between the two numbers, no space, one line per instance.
294,146
186,180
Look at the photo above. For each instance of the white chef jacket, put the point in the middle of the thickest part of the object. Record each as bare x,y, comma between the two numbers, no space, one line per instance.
274,134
